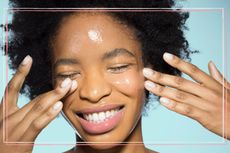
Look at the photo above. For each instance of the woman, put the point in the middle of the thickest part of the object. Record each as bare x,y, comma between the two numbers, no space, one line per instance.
98,67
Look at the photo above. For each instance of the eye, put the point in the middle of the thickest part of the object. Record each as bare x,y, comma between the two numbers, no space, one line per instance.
67,75
119,68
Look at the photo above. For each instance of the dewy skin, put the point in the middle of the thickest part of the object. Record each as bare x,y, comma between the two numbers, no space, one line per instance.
95,35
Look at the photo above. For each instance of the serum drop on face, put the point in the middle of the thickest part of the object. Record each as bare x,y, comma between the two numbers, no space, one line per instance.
95,35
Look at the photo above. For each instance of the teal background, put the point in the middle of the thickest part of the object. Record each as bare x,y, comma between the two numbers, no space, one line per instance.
166,131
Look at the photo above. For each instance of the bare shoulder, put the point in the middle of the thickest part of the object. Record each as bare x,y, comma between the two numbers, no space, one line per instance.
69,151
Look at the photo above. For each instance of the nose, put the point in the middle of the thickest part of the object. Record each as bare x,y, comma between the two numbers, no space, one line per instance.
94,87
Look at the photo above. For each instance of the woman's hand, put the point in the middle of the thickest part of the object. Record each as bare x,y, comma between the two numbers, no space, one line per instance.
205,99
20,127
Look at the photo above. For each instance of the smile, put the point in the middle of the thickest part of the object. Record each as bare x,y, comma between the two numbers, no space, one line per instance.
101,116
100,120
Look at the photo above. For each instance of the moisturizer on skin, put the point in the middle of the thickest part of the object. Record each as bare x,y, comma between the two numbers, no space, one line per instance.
95,35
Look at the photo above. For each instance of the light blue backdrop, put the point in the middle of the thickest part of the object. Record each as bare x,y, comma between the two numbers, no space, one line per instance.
161,127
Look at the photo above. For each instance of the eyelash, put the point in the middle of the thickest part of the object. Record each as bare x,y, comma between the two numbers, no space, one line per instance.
63,76
119,69
115,69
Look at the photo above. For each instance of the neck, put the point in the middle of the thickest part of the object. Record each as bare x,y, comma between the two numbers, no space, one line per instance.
134,144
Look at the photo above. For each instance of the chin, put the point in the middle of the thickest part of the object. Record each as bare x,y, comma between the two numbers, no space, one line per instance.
103,146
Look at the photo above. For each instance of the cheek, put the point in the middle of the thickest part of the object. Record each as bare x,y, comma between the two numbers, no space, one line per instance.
130,83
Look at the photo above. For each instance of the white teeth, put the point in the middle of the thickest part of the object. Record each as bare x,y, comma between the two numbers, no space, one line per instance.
90,117
107,114
95,117
112,112
100,116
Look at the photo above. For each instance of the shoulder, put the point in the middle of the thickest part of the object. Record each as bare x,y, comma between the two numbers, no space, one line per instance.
69,151
150,151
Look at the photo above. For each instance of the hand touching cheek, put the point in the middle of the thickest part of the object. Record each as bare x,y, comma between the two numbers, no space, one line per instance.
24,125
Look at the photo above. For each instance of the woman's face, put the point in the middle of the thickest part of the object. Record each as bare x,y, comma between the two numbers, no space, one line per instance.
105,58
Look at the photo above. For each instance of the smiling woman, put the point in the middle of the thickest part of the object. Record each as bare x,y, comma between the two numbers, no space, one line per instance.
100,109
89,64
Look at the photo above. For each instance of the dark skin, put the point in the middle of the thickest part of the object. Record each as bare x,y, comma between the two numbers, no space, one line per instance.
110,55
200,100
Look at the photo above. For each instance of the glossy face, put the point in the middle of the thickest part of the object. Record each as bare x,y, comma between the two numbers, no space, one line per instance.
105,59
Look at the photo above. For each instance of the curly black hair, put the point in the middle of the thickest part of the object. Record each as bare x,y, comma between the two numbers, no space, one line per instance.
32,32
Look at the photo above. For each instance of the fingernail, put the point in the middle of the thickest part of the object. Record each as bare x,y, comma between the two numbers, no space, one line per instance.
150,85
164,101
57,105
26,60
148,72
65,83
74,85
168,56
213,66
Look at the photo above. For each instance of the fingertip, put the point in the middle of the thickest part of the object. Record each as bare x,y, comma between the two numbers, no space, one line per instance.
74,85
26,60
66,83
164,101
213,68
149,85
147,72
167,56
211,64
58,106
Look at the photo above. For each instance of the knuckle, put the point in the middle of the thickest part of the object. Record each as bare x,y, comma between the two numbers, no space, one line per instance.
173,106
36,126
187,110
192,69
157,75
179,81
39,107
11,86
38,98
180,96
19,71
160,89
49,113
57,91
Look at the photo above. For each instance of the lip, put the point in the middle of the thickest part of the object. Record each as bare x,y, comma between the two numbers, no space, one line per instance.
104,126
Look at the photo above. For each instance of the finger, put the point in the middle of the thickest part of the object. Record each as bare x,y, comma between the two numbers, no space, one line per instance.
9,100
178,83
215,73
40,106
176,95
193,71
15,84
73,87
24,110
41,122
183,109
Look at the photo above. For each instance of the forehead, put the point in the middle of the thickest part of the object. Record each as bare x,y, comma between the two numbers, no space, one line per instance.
89,32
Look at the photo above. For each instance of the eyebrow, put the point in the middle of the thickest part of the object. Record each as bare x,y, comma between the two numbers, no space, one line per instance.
117,52
65,61
108,55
